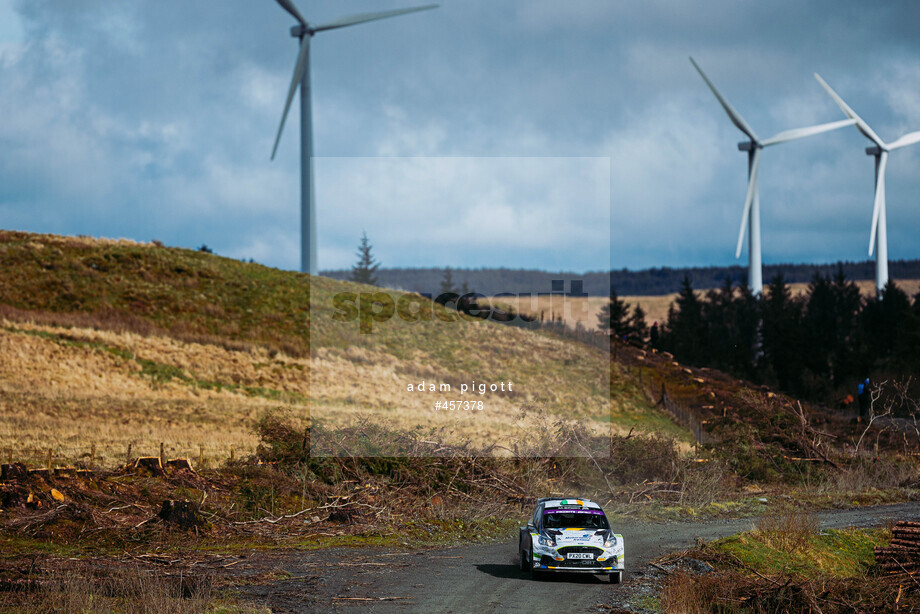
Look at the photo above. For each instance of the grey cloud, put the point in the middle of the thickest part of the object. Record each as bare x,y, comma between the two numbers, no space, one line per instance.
156,120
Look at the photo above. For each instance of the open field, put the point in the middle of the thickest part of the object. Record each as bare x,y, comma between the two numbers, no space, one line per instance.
584,311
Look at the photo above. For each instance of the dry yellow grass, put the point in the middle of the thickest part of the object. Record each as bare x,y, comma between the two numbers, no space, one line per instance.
56,393
370,381
41,241
553,307
69,389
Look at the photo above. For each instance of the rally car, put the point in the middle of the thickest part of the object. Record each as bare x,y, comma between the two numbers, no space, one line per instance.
571,535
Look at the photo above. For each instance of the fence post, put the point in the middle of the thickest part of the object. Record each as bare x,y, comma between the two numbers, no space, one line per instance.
128,460
200,455
162,456
49,460
231,454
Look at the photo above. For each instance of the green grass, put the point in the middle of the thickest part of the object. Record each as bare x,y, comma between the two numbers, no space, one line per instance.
174,289
840,553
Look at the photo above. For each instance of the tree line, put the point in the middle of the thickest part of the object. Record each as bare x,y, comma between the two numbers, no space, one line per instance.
817,345
647,282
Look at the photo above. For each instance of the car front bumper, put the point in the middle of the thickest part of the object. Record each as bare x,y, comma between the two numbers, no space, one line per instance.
593,570
547,559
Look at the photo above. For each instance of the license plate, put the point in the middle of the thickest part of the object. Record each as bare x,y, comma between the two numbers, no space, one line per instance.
579,555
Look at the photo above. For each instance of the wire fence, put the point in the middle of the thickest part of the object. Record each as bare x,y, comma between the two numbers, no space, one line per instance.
656,391
683,415
686,418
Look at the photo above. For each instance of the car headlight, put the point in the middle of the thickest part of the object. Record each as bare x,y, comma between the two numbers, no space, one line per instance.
610,542
543,540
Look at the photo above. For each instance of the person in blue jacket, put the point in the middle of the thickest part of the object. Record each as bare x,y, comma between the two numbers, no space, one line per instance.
862,393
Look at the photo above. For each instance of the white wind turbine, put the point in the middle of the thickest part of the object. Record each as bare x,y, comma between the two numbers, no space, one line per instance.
750,218
301,77
878,236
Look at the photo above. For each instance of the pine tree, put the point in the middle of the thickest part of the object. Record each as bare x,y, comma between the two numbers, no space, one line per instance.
783,336
849,347
747,309
638,329
687,335
447,283
614,316
364,270
820,327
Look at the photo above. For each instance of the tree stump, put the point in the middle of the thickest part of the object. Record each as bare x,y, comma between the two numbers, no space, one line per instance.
147,465
13,471
183,514
180,464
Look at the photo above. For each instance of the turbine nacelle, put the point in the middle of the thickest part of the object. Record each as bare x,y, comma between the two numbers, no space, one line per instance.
304,31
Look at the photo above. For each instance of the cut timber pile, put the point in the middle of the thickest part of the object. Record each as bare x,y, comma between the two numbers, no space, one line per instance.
903,554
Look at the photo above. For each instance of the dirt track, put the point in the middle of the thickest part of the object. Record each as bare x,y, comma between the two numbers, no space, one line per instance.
480,578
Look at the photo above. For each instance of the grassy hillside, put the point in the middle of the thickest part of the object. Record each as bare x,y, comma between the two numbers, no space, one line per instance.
111,343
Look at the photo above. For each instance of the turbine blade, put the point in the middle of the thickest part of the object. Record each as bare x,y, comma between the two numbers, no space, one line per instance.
748,201
799,133
879,199
299,68
729,109
904,141
288,6
351,20
861,125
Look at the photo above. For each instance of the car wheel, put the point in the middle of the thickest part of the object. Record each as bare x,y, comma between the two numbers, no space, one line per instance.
526,559
534,573
616,577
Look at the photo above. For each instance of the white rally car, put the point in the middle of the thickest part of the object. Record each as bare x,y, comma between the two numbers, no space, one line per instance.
571,535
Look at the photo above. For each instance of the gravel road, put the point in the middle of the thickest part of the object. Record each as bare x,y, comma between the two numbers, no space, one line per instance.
481,578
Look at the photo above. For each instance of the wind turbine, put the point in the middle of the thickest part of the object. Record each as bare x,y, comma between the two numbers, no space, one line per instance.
750,217
879,233
304,31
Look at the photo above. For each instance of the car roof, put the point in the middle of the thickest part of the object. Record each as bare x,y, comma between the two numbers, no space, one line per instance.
574,503
583,499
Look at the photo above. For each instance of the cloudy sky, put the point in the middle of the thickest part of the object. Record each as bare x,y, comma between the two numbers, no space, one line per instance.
537,133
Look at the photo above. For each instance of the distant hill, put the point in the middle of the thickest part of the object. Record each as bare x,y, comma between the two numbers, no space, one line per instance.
647,282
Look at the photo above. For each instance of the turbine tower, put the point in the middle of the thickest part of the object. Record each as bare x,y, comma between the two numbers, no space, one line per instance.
750,217
878,236
304,32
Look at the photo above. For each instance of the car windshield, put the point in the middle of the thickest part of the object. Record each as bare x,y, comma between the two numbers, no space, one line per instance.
574,519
